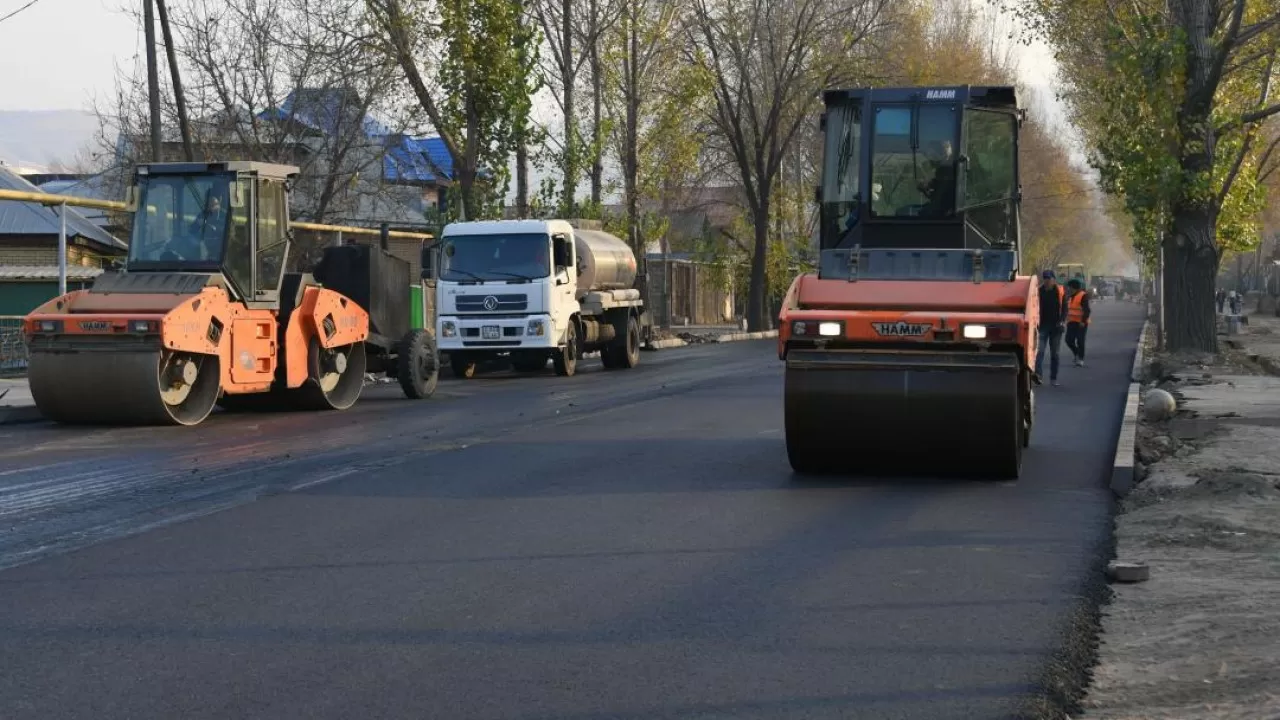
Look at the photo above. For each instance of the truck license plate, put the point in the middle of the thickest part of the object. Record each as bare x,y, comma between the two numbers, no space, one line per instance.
490,332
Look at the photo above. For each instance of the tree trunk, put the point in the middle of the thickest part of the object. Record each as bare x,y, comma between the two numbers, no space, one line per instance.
570,125
597,91
1190,275
632,162
756,320
522,175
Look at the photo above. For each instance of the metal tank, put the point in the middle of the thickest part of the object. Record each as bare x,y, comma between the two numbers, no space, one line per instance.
605,262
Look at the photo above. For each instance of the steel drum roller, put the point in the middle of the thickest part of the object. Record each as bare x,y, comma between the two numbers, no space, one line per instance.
124,387
896,412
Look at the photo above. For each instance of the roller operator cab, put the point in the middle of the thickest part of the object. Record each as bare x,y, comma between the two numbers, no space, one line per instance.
911,347
203,313
534,290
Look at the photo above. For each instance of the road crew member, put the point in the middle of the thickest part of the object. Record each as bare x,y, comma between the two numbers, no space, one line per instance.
1078,312
1053,313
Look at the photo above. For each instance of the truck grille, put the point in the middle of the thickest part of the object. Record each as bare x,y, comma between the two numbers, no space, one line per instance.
499,303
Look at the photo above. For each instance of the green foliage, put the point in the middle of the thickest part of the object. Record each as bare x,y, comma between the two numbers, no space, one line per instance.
1129,90
486,82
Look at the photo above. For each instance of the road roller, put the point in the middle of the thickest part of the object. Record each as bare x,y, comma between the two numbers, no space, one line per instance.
202,312
911,348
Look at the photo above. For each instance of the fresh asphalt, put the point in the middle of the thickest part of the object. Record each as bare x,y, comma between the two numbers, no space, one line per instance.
629,545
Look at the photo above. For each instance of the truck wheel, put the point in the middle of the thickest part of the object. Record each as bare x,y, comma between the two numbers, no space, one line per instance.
566,360
628,351
417,365
609,357
462,367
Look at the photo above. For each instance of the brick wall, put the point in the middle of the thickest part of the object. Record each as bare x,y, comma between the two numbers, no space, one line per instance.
48,256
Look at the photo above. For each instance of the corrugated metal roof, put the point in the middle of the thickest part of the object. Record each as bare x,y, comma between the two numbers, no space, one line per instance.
417,159
47,272
24,218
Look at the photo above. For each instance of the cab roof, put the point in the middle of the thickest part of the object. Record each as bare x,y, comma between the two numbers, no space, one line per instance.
990,95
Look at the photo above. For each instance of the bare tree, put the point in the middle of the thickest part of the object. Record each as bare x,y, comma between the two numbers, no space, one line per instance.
769,60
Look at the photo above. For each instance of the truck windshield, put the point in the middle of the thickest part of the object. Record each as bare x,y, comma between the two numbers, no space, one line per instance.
913,165
183,220
496,256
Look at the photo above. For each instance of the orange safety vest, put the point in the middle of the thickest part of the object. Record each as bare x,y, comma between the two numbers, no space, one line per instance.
1075,309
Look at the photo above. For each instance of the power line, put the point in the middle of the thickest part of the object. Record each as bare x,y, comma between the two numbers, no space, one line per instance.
15,12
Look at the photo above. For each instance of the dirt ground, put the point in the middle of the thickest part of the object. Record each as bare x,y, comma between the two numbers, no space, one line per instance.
1201,638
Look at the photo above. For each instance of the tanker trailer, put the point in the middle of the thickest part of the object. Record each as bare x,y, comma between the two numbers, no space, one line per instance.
537,289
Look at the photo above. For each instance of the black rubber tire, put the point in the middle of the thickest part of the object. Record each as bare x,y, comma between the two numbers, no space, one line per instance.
566,360
609,357
417,365
462,367
628,351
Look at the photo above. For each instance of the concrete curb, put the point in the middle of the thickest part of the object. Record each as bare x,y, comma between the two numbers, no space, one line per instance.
667,343
1123,468
734,337
728,337
14,414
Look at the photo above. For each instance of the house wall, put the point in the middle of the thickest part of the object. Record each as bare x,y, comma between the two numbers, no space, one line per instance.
44,251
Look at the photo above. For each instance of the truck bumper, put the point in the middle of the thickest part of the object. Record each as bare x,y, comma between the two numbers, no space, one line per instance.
504,334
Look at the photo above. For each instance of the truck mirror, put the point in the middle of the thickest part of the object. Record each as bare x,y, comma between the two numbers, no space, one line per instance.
428,262
560,251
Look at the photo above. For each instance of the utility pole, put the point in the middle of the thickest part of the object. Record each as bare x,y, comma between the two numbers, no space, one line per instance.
153,81
178,98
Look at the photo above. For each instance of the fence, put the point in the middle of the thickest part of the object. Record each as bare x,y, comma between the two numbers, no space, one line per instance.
13,349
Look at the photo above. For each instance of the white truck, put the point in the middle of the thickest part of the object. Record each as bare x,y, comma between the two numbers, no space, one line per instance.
537,289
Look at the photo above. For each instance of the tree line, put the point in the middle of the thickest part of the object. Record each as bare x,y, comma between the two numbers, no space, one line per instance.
653,102
1178,102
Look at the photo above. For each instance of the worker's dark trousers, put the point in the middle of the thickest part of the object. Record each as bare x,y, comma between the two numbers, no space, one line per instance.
1050,339
1075,339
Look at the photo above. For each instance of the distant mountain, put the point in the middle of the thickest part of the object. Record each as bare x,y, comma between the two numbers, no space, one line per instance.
40,138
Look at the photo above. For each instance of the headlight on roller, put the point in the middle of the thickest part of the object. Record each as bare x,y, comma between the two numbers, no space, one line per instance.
829,329
975,332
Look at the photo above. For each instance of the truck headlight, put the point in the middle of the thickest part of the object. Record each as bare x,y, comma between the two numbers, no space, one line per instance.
448,329
537,328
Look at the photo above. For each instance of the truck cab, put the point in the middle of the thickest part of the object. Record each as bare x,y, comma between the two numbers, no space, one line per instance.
531,290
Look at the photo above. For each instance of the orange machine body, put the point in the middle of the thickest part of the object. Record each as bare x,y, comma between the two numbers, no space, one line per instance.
209,322
916,314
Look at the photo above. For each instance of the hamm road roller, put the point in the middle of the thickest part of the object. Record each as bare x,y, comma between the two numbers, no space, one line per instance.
203,311
911,348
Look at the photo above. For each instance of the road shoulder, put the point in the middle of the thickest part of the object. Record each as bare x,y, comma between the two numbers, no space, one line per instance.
1198,639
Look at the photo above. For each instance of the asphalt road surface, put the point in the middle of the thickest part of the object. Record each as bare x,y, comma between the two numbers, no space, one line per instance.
631,546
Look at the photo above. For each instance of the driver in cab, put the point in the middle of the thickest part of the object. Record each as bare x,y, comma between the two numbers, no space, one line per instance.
203,241
941,189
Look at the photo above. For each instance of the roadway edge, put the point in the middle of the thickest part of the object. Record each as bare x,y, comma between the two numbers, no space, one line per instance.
1123,468
727,337
13,415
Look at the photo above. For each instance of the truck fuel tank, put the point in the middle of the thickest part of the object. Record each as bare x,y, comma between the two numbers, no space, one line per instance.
605,262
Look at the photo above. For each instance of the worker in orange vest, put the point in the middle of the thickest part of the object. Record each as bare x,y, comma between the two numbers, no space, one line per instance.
1078,312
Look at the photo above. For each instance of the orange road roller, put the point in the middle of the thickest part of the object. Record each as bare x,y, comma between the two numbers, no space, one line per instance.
912,348
203,312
